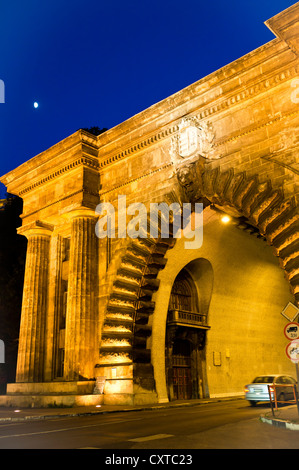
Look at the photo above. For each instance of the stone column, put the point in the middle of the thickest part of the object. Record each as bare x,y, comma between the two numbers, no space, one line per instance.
30,364
81,346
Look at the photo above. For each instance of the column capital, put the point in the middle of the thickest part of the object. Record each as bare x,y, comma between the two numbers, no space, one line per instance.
36,228
81,212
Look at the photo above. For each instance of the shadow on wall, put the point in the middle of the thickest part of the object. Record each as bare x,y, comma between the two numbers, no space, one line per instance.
202,274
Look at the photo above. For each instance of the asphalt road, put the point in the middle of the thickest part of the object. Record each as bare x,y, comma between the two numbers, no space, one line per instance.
224,425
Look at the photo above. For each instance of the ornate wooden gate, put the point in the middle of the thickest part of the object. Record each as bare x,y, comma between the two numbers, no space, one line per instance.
182,381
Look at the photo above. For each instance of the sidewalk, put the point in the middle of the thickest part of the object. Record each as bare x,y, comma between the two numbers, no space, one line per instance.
285,417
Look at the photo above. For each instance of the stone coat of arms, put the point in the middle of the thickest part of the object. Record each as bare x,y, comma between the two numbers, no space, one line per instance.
194,139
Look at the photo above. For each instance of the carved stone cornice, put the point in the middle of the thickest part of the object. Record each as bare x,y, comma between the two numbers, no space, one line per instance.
221,142
150,173
254,128
252,90
285,25
84,160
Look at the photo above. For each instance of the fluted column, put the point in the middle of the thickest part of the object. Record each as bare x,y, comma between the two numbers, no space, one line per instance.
30,363
81,326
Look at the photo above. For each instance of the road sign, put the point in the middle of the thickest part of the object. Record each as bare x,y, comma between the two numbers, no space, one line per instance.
290,311
291,330
292,351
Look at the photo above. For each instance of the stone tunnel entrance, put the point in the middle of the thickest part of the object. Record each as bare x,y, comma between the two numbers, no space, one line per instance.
218,308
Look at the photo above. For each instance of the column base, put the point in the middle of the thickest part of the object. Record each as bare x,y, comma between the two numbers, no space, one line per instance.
51,388
122,388
71,394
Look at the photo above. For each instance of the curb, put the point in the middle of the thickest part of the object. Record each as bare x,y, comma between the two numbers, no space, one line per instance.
92,413
280,423
41,417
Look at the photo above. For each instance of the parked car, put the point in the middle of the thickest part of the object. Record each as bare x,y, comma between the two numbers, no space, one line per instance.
258,390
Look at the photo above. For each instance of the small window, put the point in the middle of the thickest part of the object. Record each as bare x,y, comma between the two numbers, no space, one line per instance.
183,295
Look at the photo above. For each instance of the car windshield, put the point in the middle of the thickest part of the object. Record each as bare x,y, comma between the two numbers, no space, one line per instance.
265,379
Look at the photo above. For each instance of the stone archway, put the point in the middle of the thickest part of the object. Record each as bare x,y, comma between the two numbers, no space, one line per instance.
260,206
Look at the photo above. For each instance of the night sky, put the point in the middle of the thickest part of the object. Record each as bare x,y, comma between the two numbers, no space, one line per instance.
97,63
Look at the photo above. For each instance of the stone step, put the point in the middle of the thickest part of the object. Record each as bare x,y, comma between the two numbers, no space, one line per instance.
51,388
50,401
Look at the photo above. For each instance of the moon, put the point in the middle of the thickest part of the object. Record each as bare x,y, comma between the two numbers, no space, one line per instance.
35,104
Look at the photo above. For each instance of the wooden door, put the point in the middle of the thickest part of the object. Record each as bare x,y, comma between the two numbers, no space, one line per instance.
181,370
182,385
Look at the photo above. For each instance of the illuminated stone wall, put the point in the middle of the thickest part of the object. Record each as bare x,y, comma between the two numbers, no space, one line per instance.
246,336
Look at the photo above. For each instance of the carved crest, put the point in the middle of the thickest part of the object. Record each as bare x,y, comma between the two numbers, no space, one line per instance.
194,139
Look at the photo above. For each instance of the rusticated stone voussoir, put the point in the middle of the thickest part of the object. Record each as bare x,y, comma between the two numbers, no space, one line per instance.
276,219
130,305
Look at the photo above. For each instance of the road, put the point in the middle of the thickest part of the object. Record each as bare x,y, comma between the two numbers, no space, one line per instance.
223,425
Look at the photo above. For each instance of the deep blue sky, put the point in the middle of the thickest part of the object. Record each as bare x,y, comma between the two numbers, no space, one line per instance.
97,63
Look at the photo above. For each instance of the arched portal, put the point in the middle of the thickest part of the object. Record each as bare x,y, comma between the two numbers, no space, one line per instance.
242,289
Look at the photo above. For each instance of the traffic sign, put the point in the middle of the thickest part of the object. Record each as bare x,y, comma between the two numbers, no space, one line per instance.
291,330
292,351
290,311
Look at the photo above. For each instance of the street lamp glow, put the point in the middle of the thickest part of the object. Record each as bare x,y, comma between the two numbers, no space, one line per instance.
225,219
